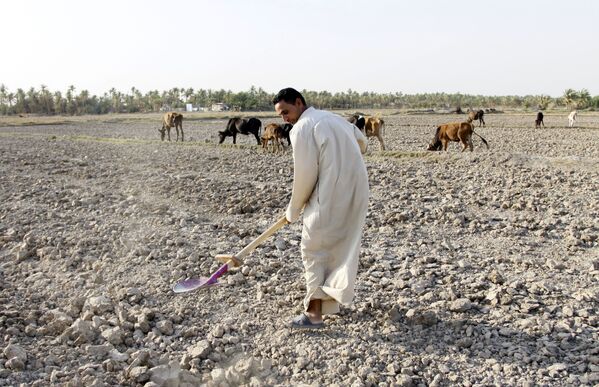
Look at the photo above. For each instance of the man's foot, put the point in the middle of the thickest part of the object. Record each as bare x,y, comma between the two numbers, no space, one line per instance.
303,322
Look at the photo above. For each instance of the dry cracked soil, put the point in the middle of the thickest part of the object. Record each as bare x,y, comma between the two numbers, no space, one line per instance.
477,268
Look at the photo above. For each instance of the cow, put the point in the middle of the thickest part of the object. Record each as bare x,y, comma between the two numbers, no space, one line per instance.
286,131
454,131
539,120
370,125
273,133
375,127
477,115
242,126
572,118
358,120
171,120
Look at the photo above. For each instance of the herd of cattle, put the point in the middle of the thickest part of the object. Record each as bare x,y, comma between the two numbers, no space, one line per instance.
274,134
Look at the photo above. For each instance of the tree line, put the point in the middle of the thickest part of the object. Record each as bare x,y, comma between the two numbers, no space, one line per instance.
79,102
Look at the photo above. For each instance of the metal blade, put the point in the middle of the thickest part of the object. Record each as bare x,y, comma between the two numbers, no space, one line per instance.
200,283
190,284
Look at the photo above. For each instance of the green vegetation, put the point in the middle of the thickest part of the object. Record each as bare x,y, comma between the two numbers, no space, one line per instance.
73,103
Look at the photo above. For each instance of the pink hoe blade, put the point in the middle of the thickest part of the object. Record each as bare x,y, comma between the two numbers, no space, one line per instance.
199,283
192,284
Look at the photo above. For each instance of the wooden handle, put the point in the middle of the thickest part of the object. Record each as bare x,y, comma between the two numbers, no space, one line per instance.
229,259
255,243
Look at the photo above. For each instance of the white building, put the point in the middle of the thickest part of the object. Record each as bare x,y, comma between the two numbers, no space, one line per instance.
219,107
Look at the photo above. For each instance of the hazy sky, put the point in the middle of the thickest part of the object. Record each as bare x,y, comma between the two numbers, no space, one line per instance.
476,47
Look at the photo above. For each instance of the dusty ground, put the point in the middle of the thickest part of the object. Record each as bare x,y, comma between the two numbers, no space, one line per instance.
477,268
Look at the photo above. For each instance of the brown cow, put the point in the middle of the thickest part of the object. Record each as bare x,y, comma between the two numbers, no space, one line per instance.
478,115
455,131
375,127
273,133
171,120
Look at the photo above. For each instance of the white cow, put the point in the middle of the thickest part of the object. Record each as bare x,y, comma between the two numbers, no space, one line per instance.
572,118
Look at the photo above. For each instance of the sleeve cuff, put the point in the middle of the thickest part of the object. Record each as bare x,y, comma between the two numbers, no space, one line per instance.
292,215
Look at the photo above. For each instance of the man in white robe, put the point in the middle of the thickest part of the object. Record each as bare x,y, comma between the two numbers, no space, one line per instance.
330,184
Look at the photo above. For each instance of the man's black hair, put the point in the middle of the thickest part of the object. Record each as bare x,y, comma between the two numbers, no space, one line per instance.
288,95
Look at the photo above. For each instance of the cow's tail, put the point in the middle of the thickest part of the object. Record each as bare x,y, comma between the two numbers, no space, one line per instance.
481,137
437,137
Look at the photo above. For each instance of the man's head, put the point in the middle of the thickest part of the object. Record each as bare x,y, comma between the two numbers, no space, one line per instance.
289,104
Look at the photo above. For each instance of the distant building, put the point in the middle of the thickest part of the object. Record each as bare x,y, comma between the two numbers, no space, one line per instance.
219,107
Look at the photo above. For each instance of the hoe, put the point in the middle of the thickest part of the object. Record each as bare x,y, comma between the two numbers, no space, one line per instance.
228,261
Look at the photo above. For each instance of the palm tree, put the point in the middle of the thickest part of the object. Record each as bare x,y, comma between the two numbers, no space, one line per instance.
115,100
3,91
584,98
570,96
59,103
3,98
46,100
83,102
21,104
188,93
71,102
543,101
10,98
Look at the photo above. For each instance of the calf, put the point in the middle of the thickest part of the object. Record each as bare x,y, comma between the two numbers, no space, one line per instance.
455,131
539,120
478,115
273,133
171,120
243,126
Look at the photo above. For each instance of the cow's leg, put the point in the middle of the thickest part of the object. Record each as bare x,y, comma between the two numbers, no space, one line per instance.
257,138
381,141
466,143
483,122
182,135
168,131
234,138
444,142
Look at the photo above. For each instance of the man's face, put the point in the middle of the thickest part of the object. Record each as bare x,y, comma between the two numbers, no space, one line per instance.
290,112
